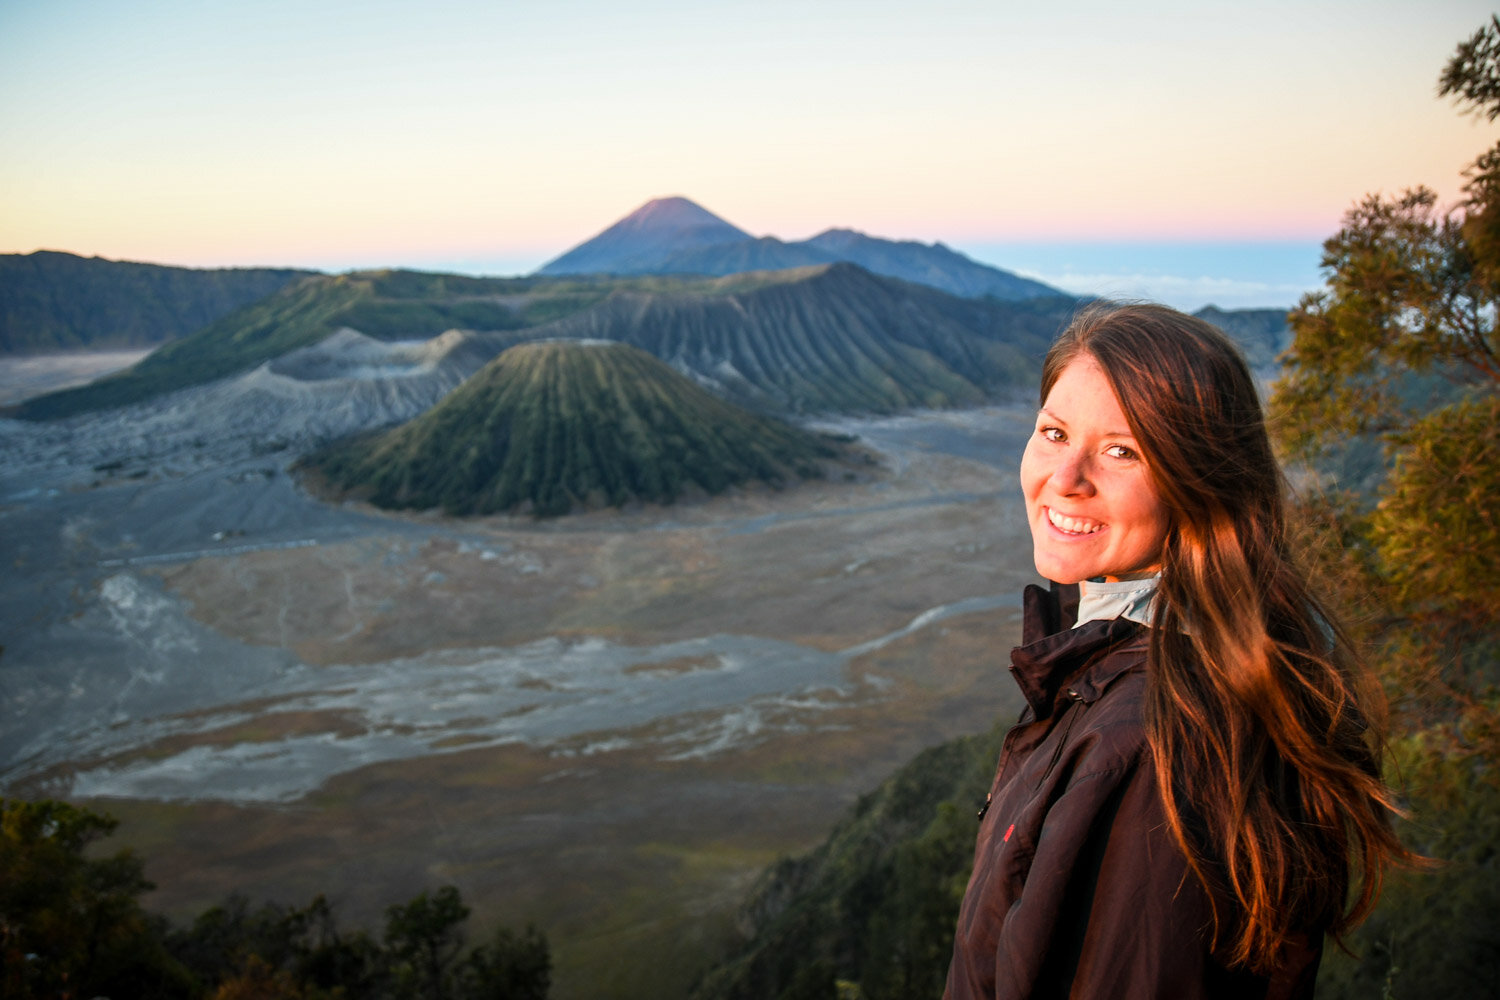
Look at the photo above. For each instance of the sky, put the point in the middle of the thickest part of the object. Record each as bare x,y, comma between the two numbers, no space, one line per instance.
1190,152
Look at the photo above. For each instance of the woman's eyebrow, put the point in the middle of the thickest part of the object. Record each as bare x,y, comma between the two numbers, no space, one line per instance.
1044,412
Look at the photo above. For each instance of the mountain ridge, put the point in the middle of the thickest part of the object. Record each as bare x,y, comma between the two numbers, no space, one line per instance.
52,300
675,236
824,338
830,338
835,338
387,304
936,265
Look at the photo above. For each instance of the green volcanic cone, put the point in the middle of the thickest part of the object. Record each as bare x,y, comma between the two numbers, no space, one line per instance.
556,425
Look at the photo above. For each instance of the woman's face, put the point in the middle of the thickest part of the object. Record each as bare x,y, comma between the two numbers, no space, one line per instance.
1089,500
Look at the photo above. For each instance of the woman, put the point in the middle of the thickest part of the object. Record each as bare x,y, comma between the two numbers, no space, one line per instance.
1192,796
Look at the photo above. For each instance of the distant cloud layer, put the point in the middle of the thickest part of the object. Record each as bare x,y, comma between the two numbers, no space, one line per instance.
1180,291
1186,276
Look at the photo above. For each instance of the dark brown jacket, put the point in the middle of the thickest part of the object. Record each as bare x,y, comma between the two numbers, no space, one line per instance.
1078,888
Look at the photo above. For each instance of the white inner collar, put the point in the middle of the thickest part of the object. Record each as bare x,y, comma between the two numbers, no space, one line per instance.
1133,599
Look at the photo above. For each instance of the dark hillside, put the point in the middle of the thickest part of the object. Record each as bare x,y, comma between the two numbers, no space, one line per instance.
1261,333
295,317
553,426
52,301
388,305
877,902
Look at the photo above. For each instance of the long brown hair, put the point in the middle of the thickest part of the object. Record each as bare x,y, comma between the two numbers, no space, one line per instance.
1263,723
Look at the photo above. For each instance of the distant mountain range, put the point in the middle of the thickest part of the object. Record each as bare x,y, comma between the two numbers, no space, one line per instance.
676,236
388,305
52,301
832,338
555,426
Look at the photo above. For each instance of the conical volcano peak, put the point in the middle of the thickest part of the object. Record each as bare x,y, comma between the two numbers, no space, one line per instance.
638,243
560,425
675,213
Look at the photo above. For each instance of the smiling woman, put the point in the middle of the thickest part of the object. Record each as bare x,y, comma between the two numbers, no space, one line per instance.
1192,796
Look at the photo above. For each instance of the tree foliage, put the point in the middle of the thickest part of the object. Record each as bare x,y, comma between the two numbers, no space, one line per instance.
71,925
510,966
423,939
1474,71
1401,349
1437,525
1402,345
1412,289
870,913
1404,298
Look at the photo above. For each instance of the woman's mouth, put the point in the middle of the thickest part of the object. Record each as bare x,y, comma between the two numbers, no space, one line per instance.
1072,525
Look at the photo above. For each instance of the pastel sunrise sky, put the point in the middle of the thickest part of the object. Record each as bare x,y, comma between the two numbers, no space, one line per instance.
1192,152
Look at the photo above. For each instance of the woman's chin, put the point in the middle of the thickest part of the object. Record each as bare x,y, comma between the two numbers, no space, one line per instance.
1060,572
1064,561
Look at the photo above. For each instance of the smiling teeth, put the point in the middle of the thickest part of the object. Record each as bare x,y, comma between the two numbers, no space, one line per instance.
1077,526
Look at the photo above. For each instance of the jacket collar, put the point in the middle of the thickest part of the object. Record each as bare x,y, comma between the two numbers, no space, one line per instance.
1054,655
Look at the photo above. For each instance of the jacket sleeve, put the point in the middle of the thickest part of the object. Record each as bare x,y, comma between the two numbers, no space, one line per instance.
1109,907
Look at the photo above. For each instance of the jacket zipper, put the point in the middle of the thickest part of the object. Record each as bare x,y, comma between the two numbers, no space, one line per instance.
1073,712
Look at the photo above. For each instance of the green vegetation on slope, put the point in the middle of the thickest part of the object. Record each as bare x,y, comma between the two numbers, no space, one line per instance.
295,317
385,304
51,301
71,925
876,904
555,425
390,305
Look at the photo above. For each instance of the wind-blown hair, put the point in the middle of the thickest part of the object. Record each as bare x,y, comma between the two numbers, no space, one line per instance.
1264,725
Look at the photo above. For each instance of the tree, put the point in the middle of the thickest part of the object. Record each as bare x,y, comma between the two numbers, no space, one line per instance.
259,980
423,939
71,925
1412,289
1403,300
1402,347
1401,350
274,947
511,967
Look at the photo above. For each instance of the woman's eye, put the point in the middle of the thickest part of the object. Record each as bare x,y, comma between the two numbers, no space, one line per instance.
1053,434
1120,451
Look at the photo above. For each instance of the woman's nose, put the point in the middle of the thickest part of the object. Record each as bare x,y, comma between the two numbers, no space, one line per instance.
1072,478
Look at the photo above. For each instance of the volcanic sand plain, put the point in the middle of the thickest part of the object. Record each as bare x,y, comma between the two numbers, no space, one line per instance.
630,846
